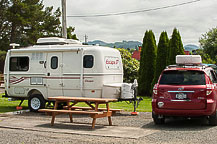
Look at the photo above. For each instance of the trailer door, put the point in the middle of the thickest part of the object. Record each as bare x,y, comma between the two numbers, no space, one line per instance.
54,74
72,73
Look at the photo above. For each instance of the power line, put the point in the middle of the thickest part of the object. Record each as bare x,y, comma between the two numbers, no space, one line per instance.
133,12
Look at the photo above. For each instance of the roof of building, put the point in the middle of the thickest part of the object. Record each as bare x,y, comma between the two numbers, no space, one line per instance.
136,55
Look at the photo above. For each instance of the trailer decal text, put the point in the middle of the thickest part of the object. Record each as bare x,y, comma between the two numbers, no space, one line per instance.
112,63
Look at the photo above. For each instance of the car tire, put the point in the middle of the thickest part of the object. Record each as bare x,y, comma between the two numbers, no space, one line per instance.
213,119
157,120
36,102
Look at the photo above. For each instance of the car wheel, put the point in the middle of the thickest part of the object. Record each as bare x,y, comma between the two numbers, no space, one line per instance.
36,102
213,119
158,120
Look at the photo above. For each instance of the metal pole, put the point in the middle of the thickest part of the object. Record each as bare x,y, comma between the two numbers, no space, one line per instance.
64,28
85,39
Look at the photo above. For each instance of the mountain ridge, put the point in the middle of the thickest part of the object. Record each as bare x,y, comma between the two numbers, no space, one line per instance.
123,44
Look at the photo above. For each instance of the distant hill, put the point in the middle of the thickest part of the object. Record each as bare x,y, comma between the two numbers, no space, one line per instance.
190,47
123,44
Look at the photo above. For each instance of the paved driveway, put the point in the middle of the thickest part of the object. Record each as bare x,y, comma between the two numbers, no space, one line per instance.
35,128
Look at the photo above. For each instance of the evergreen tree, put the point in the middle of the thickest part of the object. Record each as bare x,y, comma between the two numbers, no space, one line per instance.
148,67
70,34
24,21
4,25
141,76
181,47
175,46
162,52
30,21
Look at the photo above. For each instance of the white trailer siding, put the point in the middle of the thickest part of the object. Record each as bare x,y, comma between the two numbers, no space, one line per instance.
69,78
20,81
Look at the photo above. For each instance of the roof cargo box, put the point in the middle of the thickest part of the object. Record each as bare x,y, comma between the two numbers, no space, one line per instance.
188,59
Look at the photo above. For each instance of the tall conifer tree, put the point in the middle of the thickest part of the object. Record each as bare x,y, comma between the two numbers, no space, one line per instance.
148,67
175,46
181,48
162,52
141,76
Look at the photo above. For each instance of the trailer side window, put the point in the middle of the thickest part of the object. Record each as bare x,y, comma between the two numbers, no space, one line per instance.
54,62
19,64
88,61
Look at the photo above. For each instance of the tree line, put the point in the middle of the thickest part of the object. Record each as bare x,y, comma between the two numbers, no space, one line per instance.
154,58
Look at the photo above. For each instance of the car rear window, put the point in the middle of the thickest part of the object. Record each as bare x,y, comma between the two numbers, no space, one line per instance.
187,77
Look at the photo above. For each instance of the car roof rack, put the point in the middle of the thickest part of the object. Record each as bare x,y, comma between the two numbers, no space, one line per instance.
187,66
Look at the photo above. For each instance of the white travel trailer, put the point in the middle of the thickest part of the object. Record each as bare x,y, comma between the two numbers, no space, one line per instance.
62,67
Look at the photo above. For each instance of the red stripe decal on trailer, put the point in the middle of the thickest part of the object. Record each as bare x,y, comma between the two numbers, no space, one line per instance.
15,80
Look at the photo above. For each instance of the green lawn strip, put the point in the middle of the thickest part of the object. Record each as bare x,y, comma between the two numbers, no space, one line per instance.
144,105
9,106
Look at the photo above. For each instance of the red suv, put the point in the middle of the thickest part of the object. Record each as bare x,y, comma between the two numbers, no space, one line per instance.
187,89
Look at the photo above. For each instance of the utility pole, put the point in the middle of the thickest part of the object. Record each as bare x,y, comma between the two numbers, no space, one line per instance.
85,38
64,28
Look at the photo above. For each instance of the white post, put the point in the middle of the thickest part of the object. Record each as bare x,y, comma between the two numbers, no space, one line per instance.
8,69
64,28
82,72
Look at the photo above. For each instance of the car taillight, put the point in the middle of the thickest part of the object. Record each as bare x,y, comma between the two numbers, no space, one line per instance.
209,89
155,89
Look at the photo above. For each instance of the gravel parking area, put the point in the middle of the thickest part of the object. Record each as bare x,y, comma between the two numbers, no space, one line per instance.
174,131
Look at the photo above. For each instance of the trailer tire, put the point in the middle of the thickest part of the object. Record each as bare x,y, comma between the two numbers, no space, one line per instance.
36,102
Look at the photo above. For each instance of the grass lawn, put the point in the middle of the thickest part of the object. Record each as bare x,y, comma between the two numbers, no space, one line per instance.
9,106
144,106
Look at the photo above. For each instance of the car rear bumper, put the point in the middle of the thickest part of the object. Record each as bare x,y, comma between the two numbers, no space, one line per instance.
209,110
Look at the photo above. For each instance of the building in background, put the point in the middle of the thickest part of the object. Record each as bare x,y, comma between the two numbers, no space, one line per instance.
136,53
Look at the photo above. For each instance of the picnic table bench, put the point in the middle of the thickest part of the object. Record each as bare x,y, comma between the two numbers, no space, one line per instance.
93,110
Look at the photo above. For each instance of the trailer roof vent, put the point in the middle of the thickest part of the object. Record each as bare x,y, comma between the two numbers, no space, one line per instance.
56,41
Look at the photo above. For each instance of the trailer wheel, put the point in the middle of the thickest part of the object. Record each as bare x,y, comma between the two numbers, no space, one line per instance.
36,102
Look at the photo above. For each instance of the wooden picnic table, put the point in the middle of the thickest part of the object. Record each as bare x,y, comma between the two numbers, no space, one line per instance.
93,110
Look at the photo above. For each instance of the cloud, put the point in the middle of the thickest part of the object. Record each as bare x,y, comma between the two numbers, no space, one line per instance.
192,20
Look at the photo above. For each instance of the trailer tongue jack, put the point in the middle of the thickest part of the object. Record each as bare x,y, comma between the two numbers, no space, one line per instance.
135,100
19,107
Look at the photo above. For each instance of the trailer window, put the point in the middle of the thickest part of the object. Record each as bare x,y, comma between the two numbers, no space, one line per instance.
19,64
88,61
54,62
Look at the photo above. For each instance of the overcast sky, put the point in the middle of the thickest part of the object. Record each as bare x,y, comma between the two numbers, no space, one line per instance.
192,20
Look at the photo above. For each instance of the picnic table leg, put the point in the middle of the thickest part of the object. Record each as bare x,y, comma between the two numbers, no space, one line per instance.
53,118
110,120
109,117
54,113
70,114
94,118
93,123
